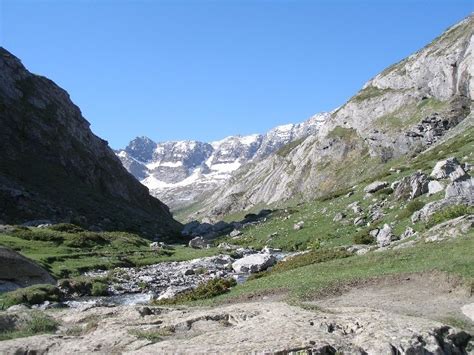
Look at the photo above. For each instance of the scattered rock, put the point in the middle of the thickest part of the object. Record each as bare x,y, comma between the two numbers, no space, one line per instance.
461,188
37,222
409,232
435,187
339,217
412,186
375,186
450,229
173,291
431,208
358,221
385,236
355,207
254,263
448,168
198,243
298,226
235,233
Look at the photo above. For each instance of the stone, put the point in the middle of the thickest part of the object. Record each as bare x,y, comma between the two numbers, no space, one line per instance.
358,221
254,263
21,271
373,233
385,236
355,207
173,291
412,186
409,232
338,217
235,233
448,168
435,186
461,188
468,311
450,229
432,207
375,186
198,243
18,308
37,222
298,226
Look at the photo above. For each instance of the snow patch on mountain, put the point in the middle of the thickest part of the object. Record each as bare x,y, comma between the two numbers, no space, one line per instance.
181,172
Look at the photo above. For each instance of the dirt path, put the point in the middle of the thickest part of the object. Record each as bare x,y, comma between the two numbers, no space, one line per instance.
433,296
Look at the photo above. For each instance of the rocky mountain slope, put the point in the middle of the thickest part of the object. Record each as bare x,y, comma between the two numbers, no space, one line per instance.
404,110
52,166
183,172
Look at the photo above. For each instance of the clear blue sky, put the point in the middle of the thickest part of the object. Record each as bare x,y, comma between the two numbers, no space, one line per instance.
207,69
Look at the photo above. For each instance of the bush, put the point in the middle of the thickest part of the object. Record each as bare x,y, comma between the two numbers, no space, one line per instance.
209,289
385,191
44,235
32,295
363,237
449,213
66,227
313,257
99,288
411,208
39,323
85,240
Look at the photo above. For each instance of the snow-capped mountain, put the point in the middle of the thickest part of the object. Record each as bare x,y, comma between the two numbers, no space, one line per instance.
181,172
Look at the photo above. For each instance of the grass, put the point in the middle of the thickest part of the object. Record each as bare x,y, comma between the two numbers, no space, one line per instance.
39,323
368,93
68,251
449,213
205,290
303,283
30,295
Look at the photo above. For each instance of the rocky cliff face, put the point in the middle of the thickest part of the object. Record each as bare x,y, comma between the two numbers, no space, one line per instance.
402,111
53,167
185,172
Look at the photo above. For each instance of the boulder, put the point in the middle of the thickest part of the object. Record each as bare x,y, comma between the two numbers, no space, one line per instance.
375,186
18,271
359,221
450,229
431,208
254,263
435,187
173,291
298,226
385,236
198,243
235,233
448,168
338,217
412,186
461,189
409,232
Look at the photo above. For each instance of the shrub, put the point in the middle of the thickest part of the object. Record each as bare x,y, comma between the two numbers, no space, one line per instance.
66,227
44,235
209,289
449,213
85,240
385,191
363,237
411,208
39,323
99,288
313,257
32,295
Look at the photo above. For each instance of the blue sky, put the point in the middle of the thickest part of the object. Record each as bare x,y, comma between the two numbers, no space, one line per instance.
207,69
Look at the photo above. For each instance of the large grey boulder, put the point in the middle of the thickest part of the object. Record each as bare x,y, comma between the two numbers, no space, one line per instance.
198,243
461,188
435,187
385,236
375,186
254,263
448,168
412,186
18,271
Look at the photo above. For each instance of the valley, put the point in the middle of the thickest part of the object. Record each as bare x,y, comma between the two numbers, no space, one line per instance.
351,232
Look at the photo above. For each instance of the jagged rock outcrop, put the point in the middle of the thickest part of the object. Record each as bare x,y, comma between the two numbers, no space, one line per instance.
53,167
404,110
181,173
